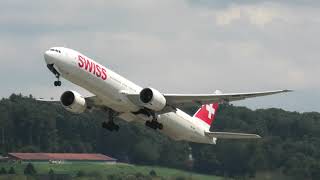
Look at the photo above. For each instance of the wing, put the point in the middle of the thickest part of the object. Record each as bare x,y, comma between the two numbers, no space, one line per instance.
92,101
182,99
185,100
229,135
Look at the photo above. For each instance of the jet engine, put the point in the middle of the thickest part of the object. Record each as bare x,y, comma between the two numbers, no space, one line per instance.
73,102
152,99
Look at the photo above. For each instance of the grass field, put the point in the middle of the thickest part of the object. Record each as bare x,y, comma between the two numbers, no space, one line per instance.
106,169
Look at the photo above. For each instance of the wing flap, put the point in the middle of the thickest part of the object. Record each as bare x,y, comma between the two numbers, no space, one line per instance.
230,135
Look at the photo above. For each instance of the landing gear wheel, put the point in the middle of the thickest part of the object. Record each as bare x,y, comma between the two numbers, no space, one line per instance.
104,125
110,125
57,83
154,125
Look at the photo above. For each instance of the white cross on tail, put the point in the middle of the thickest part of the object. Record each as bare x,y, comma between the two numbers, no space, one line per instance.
210,110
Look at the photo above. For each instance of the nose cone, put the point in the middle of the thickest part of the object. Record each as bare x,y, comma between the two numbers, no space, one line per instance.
48,57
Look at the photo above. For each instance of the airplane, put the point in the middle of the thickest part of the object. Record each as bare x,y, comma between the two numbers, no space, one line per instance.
121,98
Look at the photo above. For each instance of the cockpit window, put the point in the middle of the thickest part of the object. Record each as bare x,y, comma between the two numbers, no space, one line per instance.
56,50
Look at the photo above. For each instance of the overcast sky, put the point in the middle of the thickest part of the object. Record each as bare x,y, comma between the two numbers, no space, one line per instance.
175,46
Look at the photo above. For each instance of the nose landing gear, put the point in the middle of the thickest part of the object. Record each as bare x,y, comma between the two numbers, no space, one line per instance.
57,83
56,73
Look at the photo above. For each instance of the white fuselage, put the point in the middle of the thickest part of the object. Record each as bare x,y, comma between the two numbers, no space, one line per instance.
108,87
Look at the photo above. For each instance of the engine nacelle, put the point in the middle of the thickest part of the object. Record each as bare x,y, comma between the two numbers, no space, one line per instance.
152,99
73,102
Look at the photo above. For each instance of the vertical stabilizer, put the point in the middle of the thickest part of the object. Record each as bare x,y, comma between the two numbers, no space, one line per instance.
207,113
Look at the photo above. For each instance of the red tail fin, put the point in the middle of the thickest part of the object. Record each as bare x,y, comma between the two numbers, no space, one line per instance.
207,113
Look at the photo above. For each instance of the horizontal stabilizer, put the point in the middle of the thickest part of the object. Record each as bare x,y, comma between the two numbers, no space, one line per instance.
230,135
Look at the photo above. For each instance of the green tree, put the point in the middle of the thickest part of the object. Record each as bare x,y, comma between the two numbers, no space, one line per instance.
153,173
51,174
11,171
146,151
3,171
81,173
290,143
29,169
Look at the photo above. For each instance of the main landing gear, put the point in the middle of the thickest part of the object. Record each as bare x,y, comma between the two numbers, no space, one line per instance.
154,124
147,113
110,125
56,73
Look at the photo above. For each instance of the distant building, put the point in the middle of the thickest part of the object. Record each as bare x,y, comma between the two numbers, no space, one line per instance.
60,158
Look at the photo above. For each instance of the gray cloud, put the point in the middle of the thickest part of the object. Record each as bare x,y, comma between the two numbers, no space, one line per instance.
174,46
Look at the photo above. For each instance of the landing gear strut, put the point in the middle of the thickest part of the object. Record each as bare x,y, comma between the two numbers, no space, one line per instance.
110,125
56,73
154,124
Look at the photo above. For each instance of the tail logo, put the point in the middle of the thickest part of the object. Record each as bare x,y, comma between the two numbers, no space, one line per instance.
211,110
207,113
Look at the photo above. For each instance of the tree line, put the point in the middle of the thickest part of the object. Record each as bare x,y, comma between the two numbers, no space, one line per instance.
290,143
